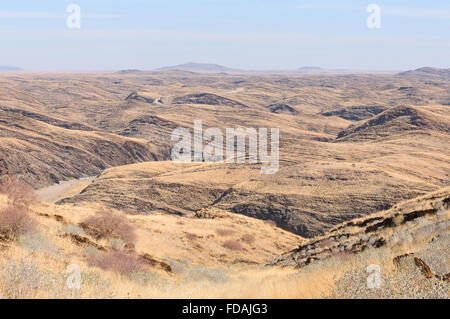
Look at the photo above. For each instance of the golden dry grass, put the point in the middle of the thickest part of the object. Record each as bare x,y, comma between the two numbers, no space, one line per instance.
39,270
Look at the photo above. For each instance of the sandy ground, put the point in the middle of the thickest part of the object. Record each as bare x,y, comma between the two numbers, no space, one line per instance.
53,193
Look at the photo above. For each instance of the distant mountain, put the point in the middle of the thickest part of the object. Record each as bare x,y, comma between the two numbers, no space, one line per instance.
199,67
129,71
309,68
394,121
427,71
9,68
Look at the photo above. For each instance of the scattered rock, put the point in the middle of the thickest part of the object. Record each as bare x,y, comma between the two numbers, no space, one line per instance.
398,260
150,260
84,241
424,268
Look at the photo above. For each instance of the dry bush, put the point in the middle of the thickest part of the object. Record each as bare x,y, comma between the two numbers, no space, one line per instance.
20,193
232,244
14,222
271,222
248,238
327,242
343,256
117,261
109,225
131,212
191,236
224,231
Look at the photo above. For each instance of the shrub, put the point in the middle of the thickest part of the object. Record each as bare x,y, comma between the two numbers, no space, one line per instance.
178,266
15,221
271,222
20,193
116,261
20,279
224,231
130,211
232,245
108,225
191,236
37,242
72,229
145,278
117,244
248,238
215,275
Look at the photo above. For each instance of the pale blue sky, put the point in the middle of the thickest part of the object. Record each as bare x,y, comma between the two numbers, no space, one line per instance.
250,34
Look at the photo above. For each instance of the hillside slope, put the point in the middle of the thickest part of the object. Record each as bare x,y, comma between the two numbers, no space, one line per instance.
411,222
313,202
44,150
395,121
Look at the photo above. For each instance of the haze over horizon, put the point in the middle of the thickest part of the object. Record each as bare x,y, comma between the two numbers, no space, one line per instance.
263,35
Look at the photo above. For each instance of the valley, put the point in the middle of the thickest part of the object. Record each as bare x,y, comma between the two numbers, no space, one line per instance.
354,149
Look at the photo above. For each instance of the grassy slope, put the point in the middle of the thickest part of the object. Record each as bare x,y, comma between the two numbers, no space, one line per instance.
36,265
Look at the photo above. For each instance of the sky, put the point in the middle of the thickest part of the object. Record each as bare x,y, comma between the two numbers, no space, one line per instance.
247,34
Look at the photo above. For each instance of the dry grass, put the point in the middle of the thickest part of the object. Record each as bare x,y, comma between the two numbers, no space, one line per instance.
117,261
120,275
31,270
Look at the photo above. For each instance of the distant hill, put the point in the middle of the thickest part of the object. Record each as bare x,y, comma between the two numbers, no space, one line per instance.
129,71
395,121
9,68
198,67
427,71
356,113
281,108
309,68
206,99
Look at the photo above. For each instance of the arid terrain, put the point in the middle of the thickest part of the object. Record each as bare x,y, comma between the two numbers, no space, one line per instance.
364,177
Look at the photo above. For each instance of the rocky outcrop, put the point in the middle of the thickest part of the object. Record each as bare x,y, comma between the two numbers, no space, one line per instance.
417,220
281,108
208,99
356,113
141,97
392,122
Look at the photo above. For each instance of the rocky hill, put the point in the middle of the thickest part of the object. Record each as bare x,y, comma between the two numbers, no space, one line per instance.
43,150
427,72
198,67
416,221
396,121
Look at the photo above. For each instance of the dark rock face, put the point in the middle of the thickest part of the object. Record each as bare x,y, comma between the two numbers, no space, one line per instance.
208,99
280,108
55,149
356,113
393,121
136,96
385,229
